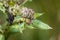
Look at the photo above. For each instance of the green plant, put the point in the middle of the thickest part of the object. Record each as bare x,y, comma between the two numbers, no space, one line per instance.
14,17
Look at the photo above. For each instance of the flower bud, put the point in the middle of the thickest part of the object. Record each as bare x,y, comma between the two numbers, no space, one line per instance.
27,13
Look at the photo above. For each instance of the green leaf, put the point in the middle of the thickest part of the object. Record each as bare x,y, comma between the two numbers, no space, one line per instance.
2,8
17,28
40,24
17,19
22,27
14,28
2,37
30,26
37,15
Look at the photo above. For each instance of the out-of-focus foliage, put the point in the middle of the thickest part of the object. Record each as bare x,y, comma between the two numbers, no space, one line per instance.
2,37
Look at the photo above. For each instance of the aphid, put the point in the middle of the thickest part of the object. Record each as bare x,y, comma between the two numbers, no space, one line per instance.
10,18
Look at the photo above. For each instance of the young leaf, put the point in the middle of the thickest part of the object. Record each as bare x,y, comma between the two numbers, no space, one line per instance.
21,27
37,15
17,19
14,28
2,37
2,8
40,24
17,28
30,26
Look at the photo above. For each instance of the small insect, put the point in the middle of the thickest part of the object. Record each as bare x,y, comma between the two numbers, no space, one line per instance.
10,18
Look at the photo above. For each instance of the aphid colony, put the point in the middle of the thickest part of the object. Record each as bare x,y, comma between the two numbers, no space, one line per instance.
24,12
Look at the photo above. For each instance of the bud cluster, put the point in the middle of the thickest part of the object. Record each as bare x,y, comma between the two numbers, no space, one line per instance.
24,12
27,13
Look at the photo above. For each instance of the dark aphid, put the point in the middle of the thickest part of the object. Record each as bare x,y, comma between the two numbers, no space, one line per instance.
10,18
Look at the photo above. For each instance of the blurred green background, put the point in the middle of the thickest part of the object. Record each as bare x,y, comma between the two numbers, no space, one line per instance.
51,10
